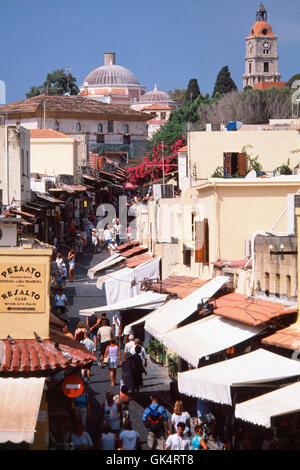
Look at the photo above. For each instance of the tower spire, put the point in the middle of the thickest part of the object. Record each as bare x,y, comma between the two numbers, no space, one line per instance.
261,14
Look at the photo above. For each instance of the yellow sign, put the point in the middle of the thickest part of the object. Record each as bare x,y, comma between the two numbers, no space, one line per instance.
22,288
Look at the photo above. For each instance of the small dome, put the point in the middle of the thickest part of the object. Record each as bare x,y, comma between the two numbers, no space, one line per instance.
111,75
155,96
262,29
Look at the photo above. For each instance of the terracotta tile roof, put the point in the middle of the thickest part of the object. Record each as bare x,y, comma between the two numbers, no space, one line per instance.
184,290
183,149
26,214
233,264
157,121
158,106
250,310
127,245
75,105
268,85
259,27
288,338
170,282
46,134
137,260
30,355
138,250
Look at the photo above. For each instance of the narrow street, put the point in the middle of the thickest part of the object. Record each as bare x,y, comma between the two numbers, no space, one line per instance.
83,293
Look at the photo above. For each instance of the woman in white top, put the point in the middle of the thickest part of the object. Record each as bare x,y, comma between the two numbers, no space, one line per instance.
104,336
181,416
107,234
112,412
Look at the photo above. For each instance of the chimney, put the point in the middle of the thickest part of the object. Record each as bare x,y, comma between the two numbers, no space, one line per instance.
109,58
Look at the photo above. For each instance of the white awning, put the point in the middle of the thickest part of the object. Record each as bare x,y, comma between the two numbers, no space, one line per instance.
149,299
260,410
107,263
20,400
158,326
161,310
214,382
207,336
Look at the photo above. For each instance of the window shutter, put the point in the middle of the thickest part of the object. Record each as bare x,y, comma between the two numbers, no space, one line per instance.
201,242
242,164
186,256
227,164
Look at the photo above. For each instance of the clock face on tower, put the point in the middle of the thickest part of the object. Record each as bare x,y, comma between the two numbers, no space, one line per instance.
266,45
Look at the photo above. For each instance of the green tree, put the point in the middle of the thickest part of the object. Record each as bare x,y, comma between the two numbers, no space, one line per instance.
177,95
224,83
193,91
59,82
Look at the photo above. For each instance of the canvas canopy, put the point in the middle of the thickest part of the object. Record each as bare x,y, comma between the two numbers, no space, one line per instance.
107,263
262,409
20,400
146,299
159,325
207,336
214,382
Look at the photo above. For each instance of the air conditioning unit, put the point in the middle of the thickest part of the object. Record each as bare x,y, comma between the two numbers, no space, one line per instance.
293,202
161,191
8,234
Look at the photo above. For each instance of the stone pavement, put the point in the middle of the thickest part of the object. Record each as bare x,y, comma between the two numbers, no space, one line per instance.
83,293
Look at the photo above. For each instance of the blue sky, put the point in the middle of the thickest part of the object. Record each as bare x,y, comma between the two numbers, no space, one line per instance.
162,41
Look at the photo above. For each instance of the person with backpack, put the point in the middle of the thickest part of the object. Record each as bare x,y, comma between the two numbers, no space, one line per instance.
155,419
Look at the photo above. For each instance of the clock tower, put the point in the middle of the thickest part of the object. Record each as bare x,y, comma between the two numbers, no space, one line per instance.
261,61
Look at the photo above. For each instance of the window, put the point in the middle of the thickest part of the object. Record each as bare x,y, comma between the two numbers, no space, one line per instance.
186,256
126,139
250,68
23,163
78,127
126,128
100,127
163,116
27,163
267,284
266,67
235,164
201,242
277,293
266,51
56,126
265,31
110,126
288,286
100,138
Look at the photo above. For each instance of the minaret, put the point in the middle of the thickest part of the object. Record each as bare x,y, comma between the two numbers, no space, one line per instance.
261,61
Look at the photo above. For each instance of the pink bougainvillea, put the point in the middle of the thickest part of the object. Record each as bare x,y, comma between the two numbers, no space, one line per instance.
151,166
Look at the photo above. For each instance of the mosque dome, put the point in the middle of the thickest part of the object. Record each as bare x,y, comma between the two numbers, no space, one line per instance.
110,74
155,96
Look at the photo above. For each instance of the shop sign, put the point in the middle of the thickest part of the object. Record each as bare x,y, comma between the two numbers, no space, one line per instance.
22,287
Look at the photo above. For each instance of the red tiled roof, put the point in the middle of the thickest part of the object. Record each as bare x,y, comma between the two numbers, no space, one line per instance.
30,355
268,85
165,286
250,310
137,260
188,288
157,106
127,245
261,27
288,338
157,121
138,250
46,134
233,264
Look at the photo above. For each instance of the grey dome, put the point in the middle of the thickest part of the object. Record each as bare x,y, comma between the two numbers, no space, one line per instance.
155,96
111,75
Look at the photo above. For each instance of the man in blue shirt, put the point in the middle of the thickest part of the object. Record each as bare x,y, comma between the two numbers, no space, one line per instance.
155,419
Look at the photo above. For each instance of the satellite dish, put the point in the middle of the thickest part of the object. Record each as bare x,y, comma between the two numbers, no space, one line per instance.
251,175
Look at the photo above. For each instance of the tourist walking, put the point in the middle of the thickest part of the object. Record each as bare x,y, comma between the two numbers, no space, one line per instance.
181,416
128,346
113,353
129,439
178,441
104,336
108,440
107,235
71,260
61,302
92,323
79,332
81,438
142,353
155,419
95,240
137,371
112,413
90,346
198,442
82,408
